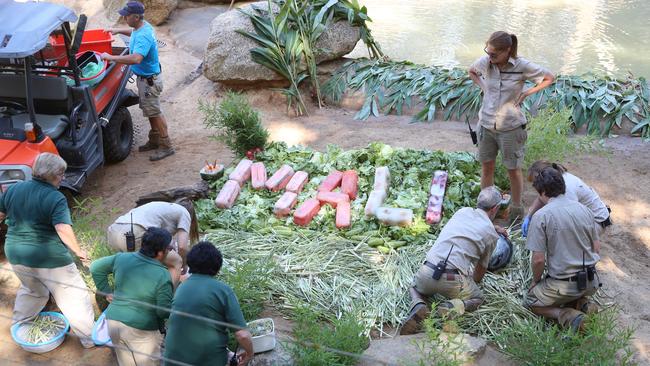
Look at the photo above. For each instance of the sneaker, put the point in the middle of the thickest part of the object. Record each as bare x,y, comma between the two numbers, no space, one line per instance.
162,153
413,323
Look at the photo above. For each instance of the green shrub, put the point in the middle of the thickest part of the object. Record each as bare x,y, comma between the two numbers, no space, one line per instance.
549,137
238,124
311,333
441,349
249,281
604,342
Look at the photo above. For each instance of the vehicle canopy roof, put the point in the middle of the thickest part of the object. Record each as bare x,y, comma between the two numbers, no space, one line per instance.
26,26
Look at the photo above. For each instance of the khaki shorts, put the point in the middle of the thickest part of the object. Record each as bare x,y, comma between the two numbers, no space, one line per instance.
117,242
150,96
511,144
454,286
135,347
552,292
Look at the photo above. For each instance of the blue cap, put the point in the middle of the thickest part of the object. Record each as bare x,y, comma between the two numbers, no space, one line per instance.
132,7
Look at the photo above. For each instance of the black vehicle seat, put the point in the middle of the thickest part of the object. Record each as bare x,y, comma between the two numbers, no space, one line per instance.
51,93
53,125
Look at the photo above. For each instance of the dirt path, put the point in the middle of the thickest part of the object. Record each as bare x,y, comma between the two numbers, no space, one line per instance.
621,179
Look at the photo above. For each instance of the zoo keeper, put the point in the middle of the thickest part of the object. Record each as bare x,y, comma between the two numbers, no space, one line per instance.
468,239
38,245
564,240
145,65
177,218
501,75
576,190
140,278
195,341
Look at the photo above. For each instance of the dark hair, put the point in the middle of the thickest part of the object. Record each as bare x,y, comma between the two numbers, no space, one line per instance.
155,240
204,258
550,182
540,165
502,40
194,223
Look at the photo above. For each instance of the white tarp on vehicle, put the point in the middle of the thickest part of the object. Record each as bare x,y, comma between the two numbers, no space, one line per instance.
26,26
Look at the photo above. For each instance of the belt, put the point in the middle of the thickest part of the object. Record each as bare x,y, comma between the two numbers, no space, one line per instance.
433,267
573,278
607,222
148,76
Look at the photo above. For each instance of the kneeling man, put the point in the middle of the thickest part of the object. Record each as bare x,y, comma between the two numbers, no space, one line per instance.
564,240
467,240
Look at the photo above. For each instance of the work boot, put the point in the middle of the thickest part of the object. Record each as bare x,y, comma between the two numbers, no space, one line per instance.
516,212
165,149
586,306
572,319
414,321
152,143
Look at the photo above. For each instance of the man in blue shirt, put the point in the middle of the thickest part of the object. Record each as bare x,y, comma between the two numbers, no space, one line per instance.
143,59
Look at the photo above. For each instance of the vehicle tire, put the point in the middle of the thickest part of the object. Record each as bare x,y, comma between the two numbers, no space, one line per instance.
118,136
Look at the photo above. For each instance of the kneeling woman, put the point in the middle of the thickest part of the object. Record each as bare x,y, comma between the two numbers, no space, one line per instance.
178,219
199,341
576,190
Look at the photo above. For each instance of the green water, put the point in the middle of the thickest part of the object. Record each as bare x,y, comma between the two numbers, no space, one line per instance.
569,37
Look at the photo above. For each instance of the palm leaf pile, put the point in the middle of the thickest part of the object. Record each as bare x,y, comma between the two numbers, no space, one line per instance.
286,33
596,103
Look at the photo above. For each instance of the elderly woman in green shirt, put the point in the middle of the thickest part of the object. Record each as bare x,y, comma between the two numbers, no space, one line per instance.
38,245
196,341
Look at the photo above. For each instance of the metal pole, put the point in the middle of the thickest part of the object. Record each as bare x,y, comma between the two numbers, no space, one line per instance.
28,89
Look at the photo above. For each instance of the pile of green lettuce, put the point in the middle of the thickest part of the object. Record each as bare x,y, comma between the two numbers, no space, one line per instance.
411,173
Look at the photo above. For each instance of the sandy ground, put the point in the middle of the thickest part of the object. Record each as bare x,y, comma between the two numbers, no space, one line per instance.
621,178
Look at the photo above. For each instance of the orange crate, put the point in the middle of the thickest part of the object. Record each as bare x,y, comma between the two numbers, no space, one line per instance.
97,40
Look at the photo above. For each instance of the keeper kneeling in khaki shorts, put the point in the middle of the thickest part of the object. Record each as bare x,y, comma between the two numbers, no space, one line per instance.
501,75
468,239
179,219
563,238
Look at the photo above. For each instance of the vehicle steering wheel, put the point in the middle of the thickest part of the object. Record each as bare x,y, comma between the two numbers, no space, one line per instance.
14,105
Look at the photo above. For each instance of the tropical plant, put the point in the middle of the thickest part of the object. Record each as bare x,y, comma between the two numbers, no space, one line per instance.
238,124
287,39
598,103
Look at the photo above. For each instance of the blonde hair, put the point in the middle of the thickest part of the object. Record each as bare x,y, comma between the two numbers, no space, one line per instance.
48,166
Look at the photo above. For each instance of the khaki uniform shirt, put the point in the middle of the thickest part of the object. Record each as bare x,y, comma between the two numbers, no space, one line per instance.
502,88
474,239
564,229
577,190
169,216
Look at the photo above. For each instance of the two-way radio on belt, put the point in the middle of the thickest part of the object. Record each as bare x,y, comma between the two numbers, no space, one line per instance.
472,133
130,237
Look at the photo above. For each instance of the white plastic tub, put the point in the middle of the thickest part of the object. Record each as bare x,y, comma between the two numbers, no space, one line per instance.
264,342
19,332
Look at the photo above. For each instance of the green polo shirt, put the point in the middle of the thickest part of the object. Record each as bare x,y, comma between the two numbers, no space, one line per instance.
137,277
33,208
195,341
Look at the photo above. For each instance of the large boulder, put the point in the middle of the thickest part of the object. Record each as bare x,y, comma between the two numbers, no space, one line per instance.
227,57
156,11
